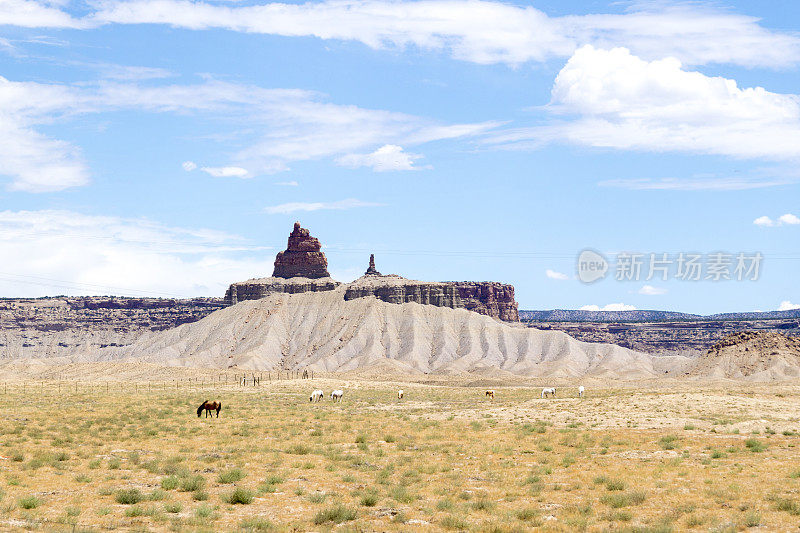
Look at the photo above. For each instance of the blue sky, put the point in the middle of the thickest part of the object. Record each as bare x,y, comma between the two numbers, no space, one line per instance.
165,147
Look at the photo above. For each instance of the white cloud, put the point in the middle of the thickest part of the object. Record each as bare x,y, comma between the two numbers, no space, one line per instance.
226,172
784,220
613,99
65,252
649,290
552,274
484,31
293,207
786,305
297,126
609,307
188,166
34,14
696,183
387,157
287,183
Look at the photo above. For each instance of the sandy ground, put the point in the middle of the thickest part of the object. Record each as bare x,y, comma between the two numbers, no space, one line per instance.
677,456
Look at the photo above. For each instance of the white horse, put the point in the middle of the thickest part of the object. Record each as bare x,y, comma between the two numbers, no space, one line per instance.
580,391
400,394
337,395
316,396
548,390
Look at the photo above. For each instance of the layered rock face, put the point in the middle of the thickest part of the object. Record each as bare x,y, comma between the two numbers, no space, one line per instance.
65,326
302,267
302,257
255,289
485,297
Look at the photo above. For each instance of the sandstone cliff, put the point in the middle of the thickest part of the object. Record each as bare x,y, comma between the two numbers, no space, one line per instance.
55,327
486,298
255,289
302,267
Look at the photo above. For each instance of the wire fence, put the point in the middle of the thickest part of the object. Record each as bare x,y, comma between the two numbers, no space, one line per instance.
232,381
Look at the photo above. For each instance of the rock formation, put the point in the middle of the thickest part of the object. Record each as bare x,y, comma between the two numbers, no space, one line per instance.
302,267
255,289
64,326
371,271
302,257
485,297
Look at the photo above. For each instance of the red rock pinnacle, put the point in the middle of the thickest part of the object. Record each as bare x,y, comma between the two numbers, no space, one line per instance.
302,257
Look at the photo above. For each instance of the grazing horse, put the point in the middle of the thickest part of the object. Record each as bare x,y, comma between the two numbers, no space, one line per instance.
400,394
209,406
490,394
580,391
337,395
316,396
548,390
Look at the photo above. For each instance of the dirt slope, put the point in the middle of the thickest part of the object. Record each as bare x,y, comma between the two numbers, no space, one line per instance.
755,356
323,332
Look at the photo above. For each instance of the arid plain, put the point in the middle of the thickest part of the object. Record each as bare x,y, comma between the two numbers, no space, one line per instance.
634,456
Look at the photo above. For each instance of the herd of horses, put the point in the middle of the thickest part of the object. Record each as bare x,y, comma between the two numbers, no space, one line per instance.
318,395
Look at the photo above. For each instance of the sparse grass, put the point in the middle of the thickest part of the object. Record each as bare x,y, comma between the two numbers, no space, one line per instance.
231,476
755,445
626,499
239,495
336,514
752,519
128,496
256,524
191,483
669,442
29,502
369,500
361,466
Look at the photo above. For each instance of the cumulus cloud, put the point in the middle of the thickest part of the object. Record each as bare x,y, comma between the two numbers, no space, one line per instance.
614,99
53,252
786,305
297,126
226,172
387,157
36,14
784,220
609,307
552,274
649,290
293,207
483,31
188,166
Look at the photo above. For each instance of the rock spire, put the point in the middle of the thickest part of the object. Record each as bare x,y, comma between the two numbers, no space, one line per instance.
302,257
371,271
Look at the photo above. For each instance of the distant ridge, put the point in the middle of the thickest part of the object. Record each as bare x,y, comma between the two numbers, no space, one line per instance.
577,315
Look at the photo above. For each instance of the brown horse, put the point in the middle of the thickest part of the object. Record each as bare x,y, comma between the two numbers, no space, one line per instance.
209,406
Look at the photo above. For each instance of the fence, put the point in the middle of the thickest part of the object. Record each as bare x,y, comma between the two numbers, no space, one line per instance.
219,381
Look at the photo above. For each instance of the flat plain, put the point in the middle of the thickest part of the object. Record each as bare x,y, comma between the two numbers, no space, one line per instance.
677,456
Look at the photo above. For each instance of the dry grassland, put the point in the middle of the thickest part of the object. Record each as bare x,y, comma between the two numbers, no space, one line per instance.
444,458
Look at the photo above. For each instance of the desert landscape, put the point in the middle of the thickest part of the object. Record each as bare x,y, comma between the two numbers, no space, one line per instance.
360,266
100,431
